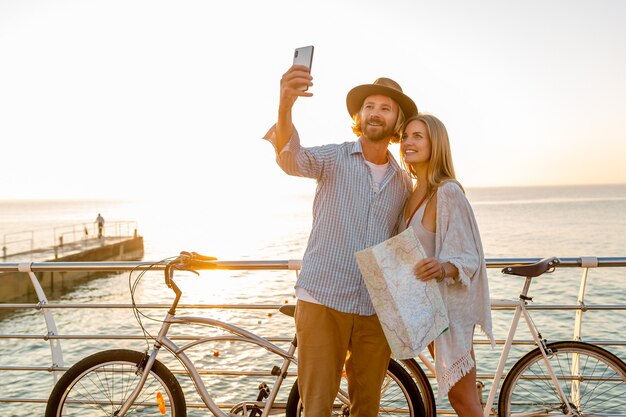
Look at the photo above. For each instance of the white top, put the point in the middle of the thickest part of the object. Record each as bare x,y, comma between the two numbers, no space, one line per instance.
457,241
425,236
302,294
378,173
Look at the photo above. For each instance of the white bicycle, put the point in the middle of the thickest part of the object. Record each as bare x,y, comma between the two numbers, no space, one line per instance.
564,378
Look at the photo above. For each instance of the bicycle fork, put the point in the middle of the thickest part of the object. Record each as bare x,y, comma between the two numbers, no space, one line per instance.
145,369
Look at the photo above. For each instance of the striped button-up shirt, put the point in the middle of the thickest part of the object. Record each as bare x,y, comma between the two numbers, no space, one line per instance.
349,215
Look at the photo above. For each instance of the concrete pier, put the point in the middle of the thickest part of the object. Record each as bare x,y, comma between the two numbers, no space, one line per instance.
17,287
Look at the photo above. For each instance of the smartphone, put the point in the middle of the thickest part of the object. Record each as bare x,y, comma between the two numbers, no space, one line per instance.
304,56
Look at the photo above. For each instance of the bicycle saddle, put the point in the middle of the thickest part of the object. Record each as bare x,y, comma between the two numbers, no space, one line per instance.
289,310
532,270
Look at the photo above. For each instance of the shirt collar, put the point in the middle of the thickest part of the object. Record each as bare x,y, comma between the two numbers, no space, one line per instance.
358,148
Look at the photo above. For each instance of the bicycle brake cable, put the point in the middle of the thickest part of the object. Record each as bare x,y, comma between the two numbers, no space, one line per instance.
133,287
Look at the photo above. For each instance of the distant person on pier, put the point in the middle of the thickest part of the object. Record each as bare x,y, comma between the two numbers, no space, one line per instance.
361,190
445,225
100,222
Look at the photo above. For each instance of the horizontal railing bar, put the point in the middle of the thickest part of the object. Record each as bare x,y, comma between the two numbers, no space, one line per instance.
614,261
180,371
271,339
586,307
115,337
140,266
509,305
24,400
226,406
264,265
147,306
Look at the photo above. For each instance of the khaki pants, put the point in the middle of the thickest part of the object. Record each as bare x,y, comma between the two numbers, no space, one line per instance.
325,336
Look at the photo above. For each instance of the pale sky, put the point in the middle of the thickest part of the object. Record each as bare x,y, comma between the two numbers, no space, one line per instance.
119,99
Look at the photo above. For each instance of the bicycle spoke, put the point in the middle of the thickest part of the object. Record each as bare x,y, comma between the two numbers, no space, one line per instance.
593,383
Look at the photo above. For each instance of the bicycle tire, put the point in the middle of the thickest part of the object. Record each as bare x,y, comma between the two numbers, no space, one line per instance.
422,383
97,385
600,382
400,396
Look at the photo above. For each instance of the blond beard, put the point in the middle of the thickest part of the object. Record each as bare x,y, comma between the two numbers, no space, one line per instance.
385,134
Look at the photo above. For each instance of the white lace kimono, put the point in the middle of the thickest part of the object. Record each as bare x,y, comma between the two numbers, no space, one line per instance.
457,241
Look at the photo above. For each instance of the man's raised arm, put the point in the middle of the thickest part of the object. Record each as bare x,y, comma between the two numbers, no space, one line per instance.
291,87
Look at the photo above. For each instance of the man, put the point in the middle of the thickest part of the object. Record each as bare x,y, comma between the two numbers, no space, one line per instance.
360,195
100,222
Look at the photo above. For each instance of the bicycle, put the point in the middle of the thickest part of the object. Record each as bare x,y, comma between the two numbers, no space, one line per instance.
124,382
560,378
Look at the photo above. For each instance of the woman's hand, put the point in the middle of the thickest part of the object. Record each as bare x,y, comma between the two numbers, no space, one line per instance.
429,268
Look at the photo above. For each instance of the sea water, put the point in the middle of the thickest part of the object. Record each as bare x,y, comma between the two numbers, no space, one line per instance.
521,222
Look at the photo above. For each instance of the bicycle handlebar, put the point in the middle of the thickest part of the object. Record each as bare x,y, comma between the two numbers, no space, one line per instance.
186,261
192,261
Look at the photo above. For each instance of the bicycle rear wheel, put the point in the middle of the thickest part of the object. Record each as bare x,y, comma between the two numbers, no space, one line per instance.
100,383
425,390
399,397
592,379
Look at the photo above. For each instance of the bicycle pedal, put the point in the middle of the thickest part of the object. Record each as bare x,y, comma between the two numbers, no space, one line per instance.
264,391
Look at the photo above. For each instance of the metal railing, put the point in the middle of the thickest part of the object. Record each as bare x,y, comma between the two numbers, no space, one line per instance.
54,338
51,239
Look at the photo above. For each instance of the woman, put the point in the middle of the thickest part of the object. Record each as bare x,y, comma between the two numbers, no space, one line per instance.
444,223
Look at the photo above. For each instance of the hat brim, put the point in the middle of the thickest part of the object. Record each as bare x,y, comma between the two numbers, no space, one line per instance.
358,94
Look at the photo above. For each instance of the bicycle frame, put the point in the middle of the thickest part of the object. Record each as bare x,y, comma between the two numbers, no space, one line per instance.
522,310
238,335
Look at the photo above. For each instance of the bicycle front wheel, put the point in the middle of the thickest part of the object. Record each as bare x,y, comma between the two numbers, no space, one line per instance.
399,397
592,379
100,383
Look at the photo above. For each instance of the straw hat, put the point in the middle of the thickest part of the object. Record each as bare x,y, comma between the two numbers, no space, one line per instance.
384,86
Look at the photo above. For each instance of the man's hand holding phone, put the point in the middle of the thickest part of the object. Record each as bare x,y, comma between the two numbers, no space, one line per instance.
297,80
294,83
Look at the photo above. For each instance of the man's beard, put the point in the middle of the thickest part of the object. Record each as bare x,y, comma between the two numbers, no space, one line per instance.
377,134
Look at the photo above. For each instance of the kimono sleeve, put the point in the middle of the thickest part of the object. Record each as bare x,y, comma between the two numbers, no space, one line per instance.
456,233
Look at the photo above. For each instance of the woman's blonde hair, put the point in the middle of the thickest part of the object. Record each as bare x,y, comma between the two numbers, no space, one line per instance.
396,137
440,166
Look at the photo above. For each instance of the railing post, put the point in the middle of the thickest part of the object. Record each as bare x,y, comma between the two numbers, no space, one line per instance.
586,262
55,345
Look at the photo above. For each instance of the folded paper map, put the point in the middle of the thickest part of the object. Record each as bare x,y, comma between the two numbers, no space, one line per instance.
410,311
